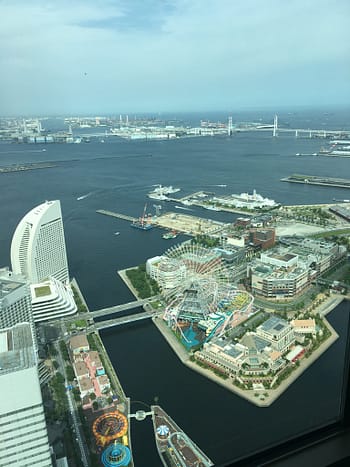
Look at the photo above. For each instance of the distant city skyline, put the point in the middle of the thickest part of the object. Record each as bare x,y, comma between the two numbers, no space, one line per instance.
119,56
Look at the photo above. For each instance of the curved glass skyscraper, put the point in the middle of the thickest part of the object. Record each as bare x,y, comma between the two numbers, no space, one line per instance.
38,248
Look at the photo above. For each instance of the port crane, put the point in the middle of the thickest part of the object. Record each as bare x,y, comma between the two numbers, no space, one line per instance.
158,208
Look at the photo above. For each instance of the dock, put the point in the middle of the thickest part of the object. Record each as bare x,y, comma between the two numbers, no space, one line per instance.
317,180
190,225
183,223
175,448
117,215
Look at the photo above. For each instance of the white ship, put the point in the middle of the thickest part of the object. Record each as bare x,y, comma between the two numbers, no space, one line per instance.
338,148
158,196
161,191
245,200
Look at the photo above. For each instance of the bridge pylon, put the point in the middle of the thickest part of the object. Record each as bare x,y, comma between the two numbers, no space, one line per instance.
229,126
275,126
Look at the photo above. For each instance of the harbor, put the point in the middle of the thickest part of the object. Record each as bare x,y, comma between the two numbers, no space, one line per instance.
133,349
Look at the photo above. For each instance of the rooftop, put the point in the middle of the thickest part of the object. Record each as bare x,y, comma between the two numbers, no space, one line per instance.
81,368
254,342
78,341
9,282
274,325
16,348
303,323
42,291
86,384
282,256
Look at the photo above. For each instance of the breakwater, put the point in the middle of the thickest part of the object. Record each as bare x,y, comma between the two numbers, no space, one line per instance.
317,180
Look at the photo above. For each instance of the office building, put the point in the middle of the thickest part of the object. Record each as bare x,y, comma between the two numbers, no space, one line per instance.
38,249
15,301
23,433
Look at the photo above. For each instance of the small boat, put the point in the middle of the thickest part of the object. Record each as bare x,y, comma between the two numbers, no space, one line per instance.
116,233
169,235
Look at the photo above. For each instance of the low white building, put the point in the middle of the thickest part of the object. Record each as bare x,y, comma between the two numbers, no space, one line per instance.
304,326
278,332
103,382
79,344
86,387
168,272
52,299
81,370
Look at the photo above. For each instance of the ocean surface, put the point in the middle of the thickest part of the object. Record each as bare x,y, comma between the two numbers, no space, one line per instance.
116,175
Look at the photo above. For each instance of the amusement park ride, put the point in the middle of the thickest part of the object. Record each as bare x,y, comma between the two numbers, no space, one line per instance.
203,296
111,437
110,429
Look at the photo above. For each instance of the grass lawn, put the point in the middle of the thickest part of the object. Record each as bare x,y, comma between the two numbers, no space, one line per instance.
42,291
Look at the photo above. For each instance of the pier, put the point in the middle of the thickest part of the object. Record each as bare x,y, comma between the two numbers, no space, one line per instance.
117,215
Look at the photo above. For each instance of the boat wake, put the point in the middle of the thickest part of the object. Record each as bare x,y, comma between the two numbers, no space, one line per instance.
185,209
84,196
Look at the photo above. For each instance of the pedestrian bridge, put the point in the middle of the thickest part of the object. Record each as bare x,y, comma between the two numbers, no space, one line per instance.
118,308
119,321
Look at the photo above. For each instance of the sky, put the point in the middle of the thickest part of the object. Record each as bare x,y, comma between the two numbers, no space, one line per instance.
115,56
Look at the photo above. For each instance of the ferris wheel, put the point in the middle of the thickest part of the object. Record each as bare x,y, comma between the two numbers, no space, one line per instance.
193,268
196,276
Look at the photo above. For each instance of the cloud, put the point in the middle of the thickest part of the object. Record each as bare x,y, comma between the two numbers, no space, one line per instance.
107,55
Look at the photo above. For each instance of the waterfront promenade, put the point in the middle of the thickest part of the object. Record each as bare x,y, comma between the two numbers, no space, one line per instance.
124,278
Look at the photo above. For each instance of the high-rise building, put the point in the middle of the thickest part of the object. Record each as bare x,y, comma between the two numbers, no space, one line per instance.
15,301
23,433
38,249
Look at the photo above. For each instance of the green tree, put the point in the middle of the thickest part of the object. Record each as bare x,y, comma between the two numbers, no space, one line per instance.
70,373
